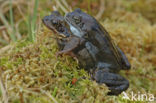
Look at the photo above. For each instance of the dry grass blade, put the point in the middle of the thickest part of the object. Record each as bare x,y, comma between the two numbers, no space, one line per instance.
12,23
3,89
2,27
66,4
18,35
5,37
4,49
102,9
61,6
3,19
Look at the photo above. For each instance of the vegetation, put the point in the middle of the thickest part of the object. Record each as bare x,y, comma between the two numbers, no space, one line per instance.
30,71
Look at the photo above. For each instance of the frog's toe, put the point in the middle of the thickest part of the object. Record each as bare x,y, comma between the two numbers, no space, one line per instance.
115,82
58,54
116,90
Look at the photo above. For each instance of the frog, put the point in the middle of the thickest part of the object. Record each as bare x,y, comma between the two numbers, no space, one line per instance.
87,50
108,58
66,42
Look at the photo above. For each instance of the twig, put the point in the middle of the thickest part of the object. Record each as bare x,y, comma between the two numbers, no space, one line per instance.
102,9
4,92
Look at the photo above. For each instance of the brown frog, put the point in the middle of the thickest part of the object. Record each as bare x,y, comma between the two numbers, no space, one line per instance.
108,58
94,49
65,40
86,27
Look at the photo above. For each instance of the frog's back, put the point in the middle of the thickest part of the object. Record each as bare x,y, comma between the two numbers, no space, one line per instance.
117,54
108,51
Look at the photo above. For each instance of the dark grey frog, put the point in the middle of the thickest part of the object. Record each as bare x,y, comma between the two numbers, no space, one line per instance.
86,39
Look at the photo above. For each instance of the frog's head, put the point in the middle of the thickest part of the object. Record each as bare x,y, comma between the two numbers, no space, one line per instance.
56,23
80,23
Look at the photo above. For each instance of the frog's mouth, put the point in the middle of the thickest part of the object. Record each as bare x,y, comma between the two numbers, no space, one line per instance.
61,34
74,28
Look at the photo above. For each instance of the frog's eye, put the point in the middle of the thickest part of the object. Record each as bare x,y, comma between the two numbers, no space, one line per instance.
77,19
54,22
86,35
81,25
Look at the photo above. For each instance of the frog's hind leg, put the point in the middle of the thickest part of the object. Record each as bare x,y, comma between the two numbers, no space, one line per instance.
125,63
115,82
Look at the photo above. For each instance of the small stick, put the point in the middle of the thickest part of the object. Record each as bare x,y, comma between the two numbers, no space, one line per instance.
4,92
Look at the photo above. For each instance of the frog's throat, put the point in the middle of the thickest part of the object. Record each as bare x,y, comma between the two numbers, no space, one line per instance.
74,29
58,34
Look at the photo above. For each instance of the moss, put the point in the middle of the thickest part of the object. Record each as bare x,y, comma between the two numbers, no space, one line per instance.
35,66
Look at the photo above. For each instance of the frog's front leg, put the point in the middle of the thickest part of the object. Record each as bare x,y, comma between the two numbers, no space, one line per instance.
73,43
61,43
115,82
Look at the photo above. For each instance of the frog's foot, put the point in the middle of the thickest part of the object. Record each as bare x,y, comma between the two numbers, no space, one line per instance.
70,53
58,54
115,82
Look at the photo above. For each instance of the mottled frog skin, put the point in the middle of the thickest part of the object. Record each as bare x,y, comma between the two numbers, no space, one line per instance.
85,39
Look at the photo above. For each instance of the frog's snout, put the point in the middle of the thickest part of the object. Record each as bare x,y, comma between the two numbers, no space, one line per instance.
45,19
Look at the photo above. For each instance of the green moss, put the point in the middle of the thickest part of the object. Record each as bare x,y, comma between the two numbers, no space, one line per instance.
16,101
36,66
4,60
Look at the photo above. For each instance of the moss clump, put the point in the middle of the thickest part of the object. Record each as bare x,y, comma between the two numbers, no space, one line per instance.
33,72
